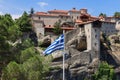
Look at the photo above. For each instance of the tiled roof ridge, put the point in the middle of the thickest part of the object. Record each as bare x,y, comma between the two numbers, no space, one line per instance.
58,11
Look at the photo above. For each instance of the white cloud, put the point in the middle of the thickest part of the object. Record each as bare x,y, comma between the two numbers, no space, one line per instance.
1,13
42,4
15,16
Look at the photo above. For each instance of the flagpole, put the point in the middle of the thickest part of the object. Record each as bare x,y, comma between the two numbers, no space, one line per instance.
64,57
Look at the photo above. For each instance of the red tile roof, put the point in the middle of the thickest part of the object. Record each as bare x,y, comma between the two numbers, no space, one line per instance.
47,14
39,13
58,11
74,10
87,22
44,14
64,15
64,28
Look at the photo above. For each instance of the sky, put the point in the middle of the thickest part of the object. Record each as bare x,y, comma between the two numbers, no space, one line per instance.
95,7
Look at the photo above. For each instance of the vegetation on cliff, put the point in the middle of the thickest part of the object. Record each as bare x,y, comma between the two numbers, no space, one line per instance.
57,28
105,72
19,60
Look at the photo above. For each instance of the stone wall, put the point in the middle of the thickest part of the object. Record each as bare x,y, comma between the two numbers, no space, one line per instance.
109,28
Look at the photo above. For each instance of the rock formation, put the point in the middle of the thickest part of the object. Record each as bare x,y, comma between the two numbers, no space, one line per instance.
81,63
45,41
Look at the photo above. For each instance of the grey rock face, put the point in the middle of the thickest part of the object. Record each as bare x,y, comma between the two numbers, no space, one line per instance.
79,62
45,41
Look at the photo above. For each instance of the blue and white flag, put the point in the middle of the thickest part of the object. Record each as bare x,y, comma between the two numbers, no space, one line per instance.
58,44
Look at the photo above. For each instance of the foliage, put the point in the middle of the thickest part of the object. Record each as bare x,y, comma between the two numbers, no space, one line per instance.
17,49
102,14
26,54
26,43
31,11
117,14
105,72
8,31
32,67
14,30
11,72
24,22
18,57
57,28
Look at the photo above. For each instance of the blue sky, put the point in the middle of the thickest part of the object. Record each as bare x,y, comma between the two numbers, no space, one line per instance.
95,7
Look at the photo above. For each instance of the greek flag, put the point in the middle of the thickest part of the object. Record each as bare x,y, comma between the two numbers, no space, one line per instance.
58,44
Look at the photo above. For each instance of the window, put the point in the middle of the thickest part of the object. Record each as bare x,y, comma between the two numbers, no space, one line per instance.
96,36
77,17
95,30
95,44
39,17
61,17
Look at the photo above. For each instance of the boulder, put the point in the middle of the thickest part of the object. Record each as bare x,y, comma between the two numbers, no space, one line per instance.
57,55
78,41
45,42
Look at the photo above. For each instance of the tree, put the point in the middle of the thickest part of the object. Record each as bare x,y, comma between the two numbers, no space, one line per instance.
117,14
26,43
12,72
19,47
102,14
32,11
9,33
24,23
26,54
14,33
32,67
105,72
57,28
19,61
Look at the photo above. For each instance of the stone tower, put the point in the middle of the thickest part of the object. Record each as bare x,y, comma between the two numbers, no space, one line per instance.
92,32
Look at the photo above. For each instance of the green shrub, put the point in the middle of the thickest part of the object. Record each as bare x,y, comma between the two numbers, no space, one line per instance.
105,72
